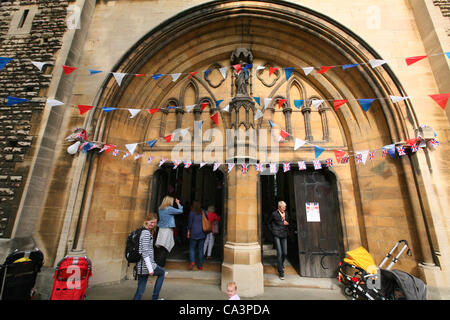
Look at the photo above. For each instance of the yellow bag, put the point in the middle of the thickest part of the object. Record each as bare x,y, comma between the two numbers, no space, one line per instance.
361,258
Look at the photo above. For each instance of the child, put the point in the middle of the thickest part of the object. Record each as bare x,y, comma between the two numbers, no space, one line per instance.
232,291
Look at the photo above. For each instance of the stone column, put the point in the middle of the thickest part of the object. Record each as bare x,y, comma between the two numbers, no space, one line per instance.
242,253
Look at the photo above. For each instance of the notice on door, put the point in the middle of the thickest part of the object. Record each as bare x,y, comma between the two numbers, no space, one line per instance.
312,212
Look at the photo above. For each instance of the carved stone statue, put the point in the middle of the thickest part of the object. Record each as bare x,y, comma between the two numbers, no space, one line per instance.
243,57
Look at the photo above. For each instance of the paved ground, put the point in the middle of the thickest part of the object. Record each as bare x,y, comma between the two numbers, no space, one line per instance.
204,285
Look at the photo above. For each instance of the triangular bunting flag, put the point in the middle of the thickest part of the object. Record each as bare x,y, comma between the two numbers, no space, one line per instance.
316,103
134,112
347,66
237,67
39,65
218,102
281,102
157,76
308,70
365,103
191,74
298,103
324,69
151,143
138,75
131,147
339,154
411,60
216,166
397,99
154,110
376,62
298,143
260,67
258,100
215,118
68,69
54,103
203,105
284,134
190,108
119,77
267,102
271,124
288,72
390,149
318,151
168,138
175,76
230,166
202,164
364,155
223,71
227,108
4,61
441,99
206,73
84,109
13,100
272,70
338,103
91,72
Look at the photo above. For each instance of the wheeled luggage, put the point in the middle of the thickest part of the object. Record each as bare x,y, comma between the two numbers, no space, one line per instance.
71,279
18,274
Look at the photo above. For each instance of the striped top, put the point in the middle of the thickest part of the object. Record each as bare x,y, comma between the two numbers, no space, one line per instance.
146,250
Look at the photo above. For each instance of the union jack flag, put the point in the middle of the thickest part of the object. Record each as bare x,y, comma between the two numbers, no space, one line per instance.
329,163
371,155
434,143
273,167
216,166
244,168
344,160
126,155
358,158
317,164
286,166
162,161
115,152
401,151
260,167
188,164
176,163
230,167
385,152
301,165
150,159
138,156
414,148
312,206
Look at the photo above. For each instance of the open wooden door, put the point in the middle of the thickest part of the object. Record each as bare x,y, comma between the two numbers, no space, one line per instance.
319,231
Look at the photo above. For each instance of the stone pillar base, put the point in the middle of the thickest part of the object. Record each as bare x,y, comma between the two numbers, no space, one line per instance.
437,282
242,264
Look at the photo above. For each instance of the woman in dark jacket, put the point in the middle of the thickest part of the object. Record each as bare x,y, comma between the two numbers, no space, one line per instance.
278,224
195,235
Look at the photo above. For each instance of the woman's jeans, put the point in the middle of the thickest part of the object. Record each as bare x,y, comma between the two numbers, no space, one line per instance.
142,283
192,245
281,246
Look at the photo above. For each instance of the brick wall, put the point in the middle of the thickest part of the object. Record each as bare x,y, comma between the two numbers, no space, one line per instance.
34,35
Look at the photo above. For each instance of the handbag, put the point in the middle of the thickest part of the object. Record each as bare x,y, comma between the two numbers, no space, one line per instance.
206,225
215,227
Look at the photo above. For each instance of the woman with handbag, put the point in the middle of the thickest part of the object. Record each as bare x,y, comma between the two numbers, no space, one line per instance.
214,220
196,235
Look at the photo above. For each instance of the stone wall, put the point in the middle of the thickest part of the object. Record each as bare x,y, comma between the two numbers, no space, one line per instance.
29,31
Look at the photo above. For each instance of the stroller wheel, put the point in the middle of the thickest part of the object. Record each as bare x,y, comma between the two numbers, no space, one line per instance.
348,291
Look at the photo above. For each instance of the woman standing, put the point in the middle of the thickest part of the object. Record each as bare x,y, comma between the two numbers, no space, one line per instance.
214,220
278,224
165,240
147,266
196,235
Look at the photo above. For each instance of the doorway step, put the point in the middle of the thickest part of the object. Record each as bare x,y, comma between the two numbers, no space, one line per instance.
270,262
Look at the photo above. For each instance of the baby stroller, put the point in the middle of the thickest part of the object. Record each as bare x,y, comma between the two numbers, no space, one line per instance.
71,279
362,279
18,274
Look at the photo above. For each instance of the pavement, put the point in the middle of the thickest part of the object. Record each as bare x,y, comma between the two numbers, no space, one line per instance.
205,285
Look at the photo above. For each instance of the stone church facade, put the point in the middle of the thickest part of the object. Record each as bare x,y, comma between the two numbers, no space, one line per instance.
86,203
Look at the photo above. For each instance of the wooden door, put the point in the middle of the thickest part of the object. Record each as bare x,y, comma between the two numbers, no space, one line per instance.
319,243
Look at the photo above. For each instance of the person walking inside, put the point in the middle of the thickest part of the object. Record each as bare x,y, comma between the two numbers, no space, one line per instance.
146,266
165,240
196,235
278,224
209,241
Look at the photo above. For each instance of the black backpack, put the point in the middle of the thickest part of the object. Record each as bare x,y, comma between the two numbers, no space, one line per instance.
132,248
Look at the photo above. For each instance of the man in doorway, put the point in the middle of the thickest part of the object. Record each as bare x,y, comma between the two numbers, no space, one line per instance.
278,225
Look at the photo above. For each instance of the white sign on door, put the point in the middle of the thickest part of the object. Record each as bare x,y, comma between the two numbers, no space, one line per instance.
312,212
